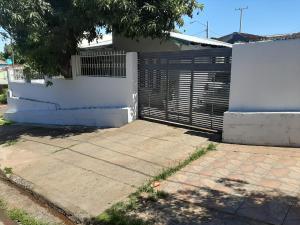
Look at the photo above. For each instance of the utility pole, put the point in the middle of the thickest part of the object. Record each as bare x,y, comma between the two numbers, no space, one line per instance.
207,30
241,16
206,25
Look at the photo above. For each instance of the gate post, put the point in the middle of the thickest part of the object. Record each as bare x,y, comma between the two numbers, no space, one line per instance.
132,78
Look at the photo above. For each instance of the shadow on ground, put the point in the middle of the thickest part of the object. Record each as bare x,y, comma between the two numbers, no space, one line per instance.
210,135
215,137
16,131
206,206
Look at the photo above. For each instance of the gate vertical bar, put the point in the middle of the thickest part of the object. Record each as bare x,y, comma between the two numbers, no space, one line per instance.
167,90
192,91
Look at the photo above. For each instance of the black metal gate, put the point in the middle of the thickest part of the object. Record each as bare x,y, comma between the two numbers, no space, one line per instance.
186,87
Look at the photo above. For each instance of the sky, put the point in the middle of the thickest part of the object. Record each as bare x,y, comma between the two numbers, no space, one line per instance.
263,17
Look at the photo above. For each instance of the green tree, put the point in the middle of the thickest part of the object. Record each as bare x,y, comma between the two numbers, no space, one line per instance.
2,56
48,31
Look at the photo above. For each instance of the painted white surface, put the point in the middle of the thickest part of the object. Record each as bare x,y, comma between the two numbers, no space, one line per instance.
264,106
84,98
3,77
82,117
265,77
262,128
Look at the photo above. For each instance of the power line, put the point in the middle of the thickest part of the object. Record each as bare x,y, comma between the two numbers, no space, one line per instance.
207,30
199,33
216,33
206,25
241,16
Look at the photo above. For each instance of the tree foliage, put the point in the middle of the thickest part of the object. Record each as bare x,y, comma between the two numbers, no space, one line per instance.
48,31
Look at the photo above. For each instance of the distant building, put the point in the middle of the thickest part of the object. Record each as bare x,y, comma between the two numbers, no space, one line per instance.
240,38
283,36
3,73
245,38
3,63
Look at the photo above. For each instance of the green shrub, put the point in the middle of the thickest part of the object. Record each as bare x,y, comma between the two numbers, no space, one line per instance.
3,97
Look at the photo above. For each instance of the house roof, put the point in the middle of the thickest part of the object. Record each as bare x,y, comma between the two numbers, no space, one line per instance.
244,37
107,40
237,37
98,42
283,36
198,40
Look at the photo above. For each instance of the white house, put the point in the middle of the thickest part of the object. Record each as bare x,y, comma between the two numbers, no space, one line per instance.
104,88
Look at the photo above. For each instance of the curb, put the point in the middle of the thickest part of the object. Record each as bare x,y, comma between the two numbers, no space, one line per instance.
80,217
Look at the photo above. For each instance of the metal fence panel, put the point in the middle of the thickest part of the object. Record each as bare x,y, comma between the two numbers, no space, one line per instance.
103,64
187,87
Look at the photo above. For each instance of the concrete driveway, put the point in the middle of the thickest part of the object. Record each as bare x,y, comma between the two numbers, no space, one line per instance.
85,171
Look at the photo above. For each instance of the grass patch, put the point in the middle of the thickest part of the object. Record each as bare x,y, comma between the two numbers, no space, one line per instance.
3,97
20,216
119,214
24,218
8,170
4,122
9,143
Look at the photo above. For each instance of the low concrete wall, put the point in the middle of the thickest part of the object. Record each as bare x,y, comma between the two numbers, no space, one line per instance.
264,96
114,117
262,128
91,101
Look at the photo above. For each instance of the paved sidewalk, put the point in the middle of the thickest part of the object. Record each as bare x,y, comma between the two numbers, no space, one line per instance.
85,171
235,185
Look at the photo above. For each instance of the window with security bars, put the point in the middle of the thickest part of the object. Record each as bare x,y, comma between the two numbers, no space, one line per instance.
103,64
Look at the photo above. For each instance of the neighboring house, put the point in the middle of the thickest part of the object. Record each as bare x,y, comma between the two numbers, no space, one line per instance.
246,38
3,73
176,42
3,64
237,37
283,36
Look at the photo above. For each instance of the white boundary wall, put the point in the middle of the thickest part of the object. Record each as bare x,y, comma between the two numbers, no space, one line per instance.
89,101
265,94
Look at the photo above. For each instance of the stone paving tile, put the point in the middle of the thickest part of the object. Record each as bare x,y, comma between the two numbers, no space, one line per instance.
174,211
263,207
207,194
275,152
257,184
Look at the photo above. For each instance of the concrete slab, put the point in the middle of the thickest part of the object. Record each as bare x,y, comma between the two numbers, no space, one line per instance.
86,171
